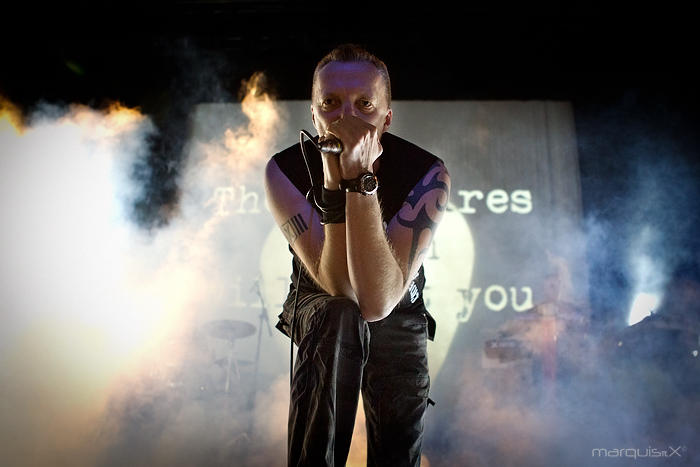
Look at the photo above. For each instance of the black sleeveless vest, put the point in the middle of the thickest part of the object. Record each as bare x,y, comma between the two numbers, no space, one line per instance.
402,166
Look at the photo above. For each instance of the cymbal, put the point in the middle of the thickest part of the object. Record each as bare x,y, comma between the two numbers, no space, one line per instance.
229,329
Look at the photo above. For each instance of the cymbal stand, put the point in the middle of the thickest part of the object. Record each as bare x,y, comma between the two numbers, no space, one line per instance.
231,362
262,318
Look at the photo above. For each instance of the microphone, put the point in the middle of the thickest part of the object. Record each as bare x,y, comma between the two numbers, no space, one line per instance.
330,145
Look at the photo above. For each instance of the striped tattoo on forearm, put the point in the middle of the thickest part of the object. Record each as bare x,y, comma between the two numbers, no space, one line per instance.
293,228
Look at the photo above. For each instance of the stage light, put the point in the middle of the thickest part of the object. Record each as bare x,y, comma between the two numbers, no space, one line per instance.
643,305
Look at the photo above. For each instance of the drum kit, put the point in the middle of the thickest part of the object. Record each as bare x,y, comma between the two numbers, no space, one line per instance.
200,376
229,331
203,361
535,332
559,341
196,378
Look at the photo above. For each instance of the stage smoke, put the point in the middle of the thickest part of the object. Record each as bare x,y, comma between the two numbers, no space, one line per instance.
612,390
131,318
106,358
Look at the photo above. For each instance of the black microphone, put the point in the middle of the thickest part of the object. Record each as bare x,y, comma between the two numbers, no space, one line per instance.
330,145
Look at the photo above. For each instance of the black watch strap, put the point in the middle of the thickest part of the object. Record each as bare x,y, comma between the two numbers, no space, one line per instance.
366,183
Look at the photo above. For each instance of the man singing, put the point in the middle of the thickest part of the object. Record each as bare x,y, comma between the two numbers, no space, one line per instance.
359,224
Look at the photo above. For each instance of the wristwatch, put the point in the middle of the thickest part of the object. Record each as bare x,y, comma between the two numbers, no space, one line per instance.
366,183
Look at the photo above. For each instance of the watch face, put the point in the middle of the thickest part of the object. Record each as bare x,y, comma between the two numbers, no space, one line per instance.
368,183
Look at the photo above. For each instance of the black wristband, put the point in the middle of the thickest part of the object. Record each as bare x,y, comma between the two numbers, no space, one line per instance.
332,198
331,203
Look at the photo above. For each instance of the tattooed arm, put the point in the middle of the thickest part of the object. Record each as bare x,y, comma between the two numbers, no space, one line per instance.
372,269
412,229
381,268
320,248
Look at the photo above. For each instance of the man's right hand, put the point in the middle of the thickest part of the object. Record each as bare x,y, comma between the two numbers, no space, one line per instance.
361,148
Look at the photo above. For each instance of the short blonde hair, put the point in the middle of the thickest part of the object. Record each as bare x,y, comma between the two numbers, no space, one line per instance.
354,53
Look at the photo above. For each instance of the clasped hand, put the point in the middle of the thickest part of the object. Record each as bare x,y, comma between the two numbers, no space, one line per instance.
361,148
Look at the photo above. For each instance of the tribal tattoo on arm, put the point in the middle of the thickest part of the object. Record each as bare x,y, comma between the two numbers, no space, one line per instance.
423,208
294,227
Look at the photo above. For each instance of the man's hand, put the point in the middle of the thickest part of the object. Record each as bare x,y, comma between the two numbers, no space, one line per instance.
331,171
361,146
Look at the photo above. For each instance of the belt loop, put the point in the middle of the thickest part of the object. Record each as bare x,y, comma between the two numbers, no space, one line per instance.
431,326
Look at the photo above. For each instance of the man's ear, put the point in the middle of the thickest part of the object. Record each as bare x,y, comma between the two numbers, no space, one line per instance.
387,120
313,117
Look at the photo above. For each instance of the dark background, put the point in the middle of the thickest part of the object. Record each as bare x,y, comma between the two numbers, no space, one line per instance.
630,75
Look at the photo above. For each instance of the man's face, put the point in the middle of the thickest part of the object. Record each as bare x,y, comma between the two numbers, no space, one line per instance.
350,88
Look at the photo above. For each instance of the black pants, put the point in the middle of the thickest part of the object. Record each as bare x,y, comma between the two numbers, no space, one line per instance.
339,355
